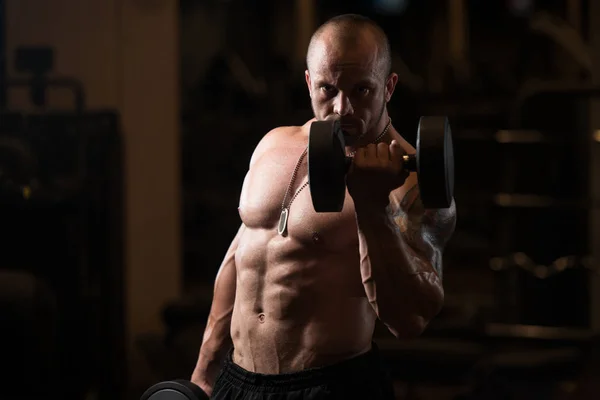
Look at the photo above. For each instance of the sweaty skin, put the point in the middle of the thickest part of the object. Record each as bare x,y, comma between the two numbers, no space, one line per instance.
311,298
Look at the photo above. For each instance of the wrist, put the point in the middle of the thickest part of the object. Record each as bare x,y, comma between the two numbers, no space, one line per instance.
371,204
202,383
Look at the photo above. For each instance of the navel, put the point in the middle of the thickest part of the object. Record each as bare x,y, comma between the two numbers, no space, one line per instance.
261,318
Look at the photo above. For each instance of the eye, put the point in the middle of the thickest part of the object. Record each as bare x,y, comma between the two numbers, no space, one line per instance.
363,90
327,89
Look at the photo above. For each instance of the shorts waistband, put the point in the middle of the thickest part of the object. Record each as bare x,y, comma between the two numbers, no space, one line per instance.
360,365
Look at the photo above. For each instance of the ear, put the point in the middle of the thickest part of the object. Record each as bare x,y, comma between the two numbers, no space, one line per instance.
390,86
308,82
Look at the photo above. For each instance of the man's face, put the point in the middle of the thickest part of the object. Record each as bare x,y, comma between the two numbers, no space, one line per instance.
349,83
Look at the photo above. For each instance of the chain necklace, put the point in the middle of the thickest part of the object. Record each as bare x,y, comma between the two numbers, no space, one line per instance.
283,218
285,210
378,138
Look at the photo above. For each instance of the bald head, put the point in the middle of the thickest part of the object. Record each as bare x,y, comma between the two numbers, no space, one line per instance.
351,32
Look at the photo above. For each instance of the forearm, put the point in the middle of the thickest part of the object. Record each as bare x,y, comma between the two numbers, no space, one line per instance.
216,343
403,288
401,248
216,340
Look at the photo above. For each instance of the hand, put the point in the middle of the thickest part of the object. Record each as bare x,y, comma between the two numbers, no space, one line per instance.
376,170
202,384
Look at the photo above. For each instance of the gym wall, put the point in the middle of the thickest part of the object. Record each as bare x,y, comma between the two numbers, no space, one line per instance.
594,234
126,54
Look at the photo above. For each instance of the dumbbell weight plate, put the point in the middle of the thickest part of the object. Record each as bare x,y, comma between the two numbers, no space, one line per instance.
169,394
327,166
435,162
174,390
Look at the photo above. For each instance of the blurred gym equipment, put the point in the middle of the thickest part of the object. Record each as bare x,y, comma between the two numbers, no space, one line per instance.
61,206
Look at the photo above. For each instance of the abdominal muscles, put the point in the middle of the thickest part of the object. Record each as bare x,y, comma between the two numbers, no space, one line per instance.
300,302
298,305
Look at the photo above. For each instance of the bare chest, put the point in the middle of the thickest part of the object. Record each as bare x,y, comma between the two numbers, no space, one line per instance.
270,187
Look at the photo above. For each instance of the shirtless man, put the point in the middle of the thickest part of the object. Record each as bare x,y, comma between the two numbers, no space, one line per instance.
293,314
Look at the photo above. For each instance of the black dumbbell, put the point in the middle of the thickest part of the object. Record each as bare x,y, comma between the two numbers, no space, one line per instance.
433,163
178,389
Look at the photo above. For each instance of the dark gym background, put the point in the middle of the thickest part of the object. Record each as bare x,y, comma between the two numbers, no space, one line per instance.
126,129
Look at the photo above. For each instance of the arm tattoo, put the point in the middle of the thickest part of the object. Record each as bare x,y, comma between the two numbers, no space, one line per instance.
425,232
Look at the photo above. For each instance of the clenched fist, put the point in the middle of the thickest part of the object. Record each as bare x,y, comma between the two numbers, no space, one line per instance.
376,170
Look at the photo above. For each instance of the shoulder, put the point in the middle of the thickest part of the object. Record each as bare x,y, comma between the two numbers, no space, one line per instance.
278,137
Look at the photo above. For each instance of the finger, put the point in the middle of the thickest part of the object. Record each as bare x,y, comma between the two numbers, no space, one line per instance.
396,154
359,154
383,152
371,152
396,151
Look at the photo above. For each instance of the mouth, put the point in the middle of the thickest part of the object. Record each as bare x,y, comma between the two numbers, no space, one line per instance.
349,129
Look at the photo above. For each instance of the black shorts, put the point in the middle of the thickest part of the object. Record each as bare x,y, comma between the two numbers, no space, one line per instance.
361,377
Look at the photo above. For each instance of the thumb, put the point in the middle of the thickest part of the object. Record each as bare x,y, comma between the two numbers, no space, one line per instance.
396,151
396,158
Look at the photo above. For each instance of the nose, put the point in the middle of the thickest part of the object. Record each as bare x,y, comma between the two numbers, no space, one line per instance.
342,105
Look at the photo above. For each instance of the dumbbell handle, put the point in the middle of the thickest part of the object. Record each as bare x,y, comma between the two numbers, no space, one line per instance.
410,162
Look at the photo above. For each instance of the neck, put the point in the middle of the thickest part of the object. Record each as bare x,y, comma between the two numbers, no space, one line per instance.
379,127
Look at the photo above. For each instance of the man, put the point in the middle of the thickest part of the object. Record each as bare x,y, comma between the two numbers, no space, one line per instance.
298,294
